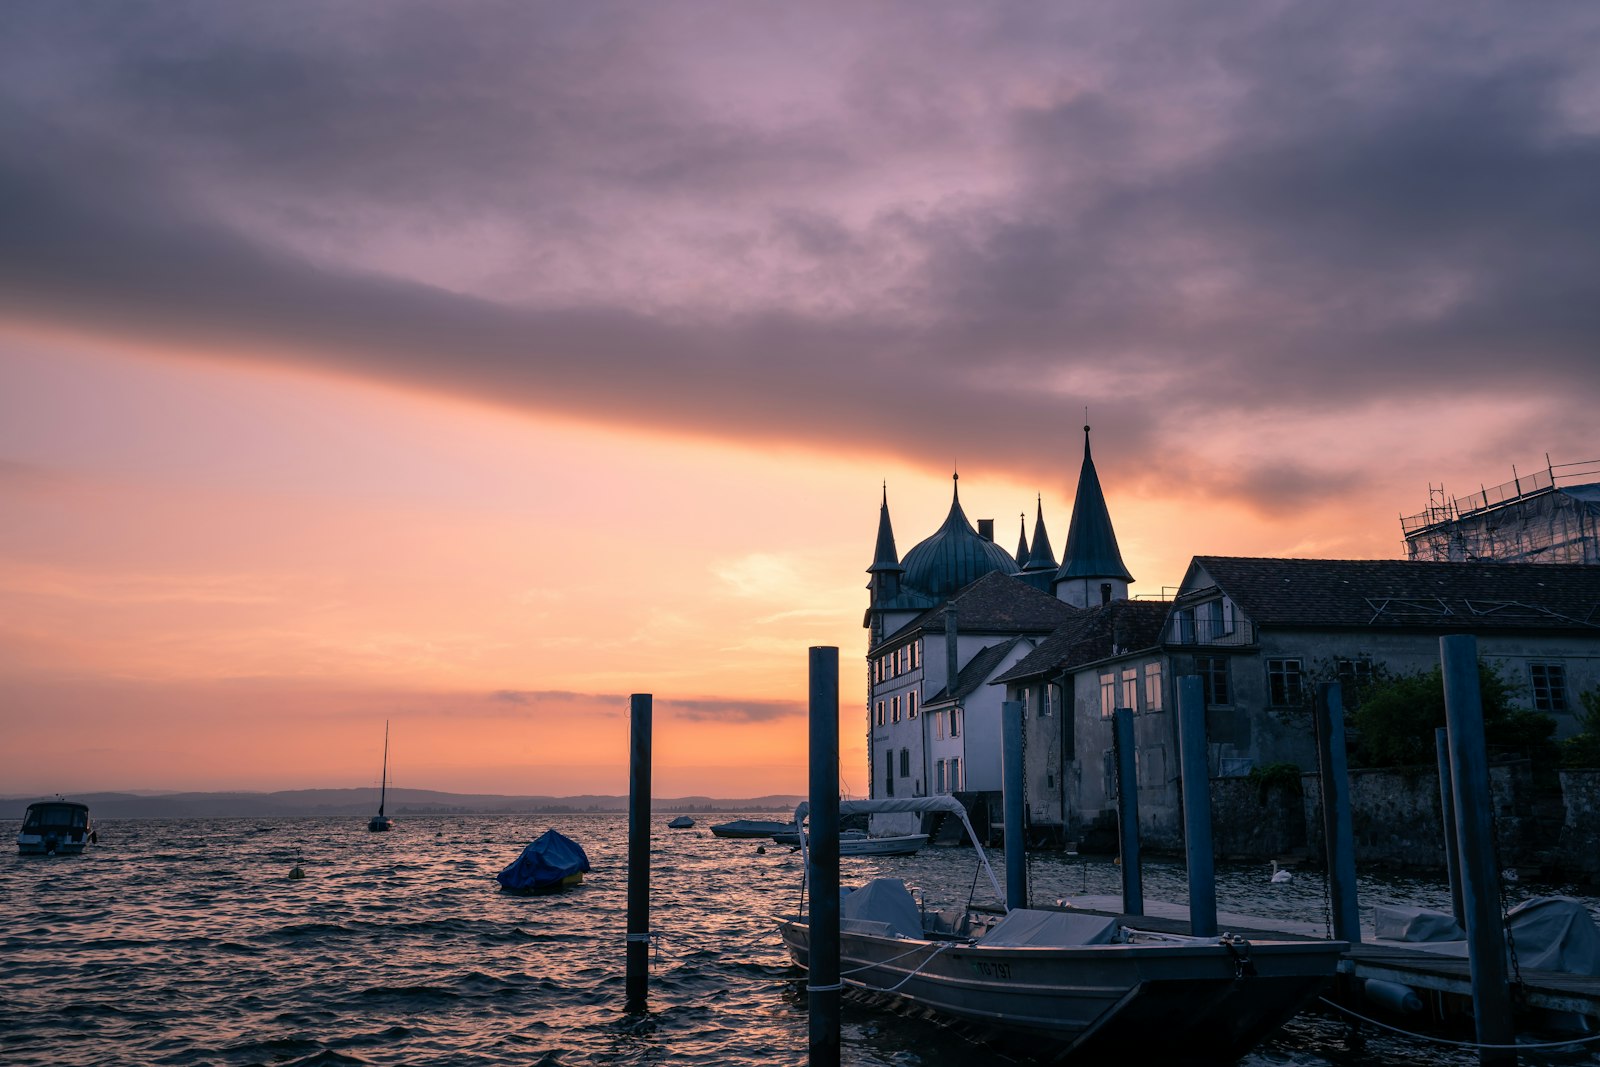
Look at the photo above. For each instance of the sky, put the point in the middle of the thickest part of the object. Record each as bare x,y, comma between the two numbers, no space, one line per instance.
471,367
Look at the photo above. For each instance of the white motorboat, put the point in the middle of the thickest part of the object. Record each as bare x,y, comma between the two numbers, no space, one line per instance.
1077,984
860,843
55,827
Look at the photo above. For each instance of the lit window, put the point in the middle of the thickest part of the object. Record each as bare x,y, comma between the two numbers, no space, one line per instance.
1108,695
1130,688
1152,686
1284,683
1549,686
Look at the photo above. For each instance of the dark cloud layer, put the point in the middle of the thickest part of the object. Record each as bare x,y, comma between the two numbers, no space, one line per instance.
910,229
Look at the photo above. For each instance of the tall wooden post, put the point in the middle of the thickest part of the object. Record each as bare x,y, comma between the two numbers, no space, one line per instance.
1015,805
638,953
1480,880
1338,832
1128,813
1196,769
1447,812
823,986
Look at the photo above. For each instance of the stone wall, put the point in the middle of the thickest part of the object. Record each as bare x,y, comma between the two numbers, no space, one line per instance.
1579,853
1252,822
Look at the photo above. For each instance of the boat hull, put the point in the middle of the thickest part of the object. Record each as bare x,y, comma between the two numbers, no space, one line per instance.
1186,1002
750,828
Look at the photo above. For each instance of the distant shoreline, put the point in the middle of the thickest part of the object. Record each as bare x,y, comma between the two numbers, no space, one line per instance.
301,803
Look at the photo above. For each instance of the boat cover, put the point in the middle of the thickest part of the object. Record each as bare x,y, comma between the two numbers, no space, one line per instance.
1057,929
550,858
1555,934
1402,922
884,901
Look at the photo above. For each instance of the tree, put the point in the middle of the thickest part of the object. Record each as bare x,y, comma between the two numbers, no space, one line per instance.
1398,715
1584,749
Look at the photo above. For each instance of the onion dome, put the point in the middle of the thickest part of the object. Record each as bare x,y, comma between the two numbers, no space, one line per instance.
954,556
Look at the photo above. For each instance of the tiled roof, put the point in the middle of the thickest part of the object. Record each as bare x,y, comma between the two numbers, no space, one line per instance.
976,672
1382,594
1120,626
994,604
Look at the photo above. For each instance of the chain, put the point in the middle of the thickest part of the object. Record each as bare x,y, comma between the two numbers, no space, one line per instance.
1500,882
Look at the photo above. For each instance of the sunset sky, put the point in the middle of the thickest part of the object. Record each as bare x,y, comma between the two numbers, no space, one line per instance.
472,366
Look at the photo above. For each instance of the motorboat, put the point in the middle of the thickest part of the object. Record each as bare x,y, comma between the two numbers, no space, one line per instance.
750,828
860,843
1069,983
553,862
682,822
55,827
380,821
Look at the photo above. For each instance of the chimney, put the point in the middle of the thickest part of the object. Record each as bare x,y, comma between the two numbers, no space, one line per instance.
951,658
986,529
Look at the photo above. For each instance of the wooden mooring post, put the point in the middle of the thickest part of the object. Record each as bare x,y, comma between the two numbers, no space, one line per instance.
1015,804
636,986
823,987
1196,770
1128,812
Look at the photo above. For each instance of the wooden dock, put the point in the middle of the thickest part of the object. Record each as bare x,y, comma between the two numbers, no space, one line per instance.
1390,961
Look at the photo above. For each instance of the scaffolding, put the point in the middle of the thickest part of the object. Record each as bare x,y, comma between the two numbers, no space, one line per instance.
1550,516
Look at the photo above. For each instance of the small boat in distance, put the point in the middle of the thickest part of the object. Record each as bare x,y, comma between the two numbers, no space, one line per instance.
57,826
682,822
381,821
751,828
553,862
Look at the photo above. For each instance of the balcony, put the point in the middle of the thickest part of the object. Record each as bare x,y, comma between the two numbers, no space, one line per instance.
1185,628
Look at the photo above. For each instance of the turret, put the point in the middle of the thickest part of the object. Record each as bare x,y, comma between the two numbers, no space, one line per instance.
1092,572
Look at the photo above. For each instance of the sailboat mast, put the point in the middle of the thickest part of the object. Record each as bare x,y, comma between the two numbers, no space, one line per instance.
383,789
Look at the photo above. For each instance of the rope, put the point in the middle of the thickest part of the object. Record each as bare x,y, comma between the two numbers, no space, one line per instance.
896,987
1530,1046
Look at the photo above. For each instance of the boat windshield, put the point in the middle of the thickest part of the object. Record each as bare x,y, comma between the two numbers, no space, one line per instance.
55,815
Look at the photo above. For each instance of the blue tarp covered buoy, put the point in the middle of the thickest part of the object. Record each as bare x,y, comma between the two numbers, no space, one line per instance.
551,862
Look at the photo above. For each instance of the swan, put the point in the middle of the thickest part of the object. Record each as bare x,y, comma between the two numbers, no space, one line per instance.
1280,875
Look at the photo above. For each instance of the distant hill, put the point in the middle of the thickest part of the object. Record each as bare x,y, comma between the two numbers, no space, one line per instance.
401,802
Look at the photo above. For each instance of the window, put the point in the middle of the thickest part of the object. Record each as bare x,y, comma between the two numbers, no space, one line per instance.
938,725
1549,686
911,704
1355,677
888,773
916,654
955,722
1214,620
1130,688
955,775
880,717
1152,687
905,763
1213,672
1183,626
894,709
1046,701
1284,683
938,778
1108,695
903,658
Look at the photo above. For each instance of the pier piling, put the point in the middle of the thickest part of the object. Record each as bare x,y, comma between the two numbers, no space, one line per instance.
1196,770
1338,833
636,987
823,986
1015,805
1475,844
1128,813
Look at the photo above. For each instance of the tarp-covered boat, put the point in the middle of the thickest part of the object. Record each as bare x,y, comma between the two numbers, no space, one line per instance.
553,862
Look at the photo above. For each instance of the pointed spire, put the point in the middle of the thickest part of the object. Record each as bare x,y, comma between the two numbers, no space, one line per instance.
1022,541
1043,557
1091,550
884,556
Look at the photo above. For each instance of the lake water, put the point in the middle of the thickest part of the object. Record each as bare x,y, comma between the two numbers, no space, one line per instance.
186,942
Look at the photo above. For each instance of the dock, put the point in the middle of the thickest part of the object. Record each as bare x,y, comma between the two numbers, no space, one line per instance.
1389,961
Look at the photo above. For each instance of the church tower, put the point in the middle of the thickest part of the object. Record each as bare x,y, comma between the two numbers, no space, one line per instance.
1092,572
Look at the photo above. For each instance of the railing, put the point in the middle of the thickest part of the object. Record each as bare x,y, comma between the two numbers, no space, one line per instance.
1185,629
1524,485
